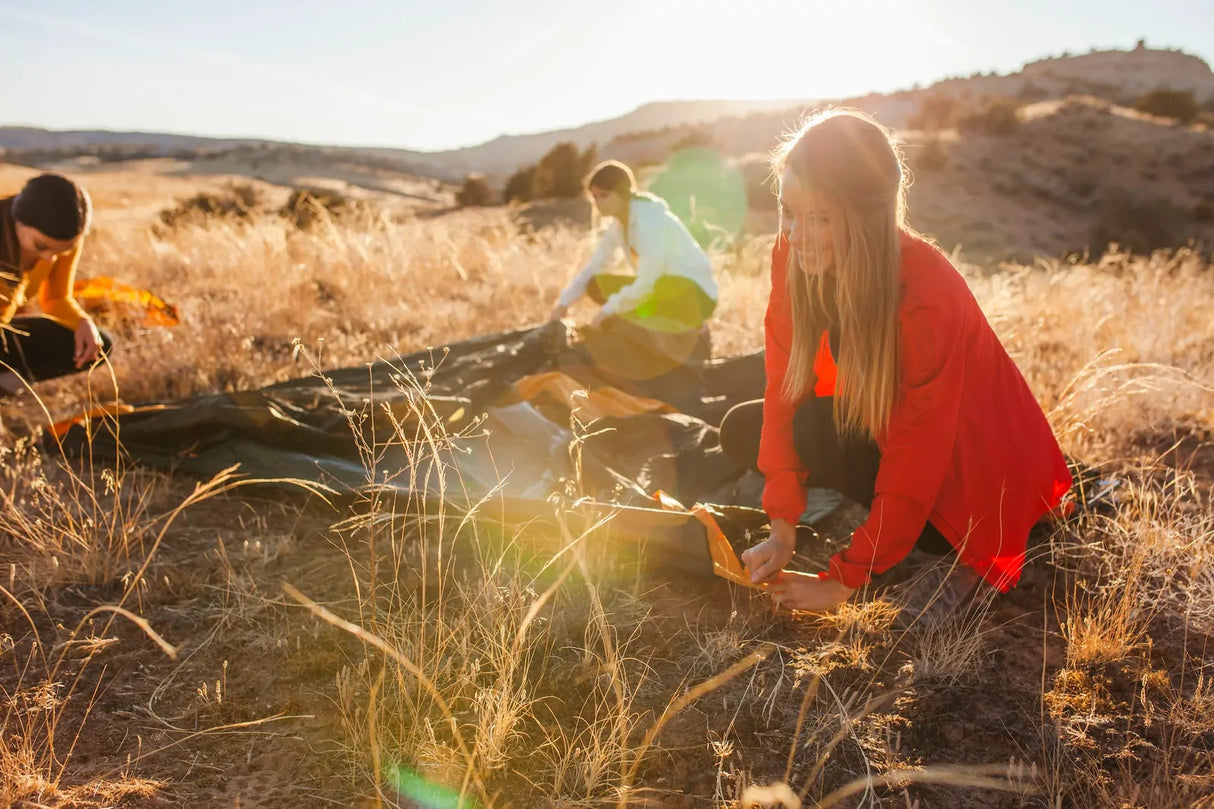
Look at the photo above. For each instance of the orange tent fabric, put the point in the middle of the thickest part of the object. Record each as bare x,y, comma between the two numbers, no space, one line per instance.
110,410
725,563
104,289
604,402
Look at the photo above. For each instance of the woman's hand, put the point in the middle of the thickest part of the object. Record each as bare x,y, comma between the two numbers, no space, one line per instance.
558,312
88,343
770,556
808,591
598,319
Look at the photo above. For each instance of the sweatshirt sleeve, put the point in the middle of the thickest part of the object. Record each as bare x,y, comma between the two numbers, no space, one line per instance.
918,446
55,296
785,474
608,244
649,235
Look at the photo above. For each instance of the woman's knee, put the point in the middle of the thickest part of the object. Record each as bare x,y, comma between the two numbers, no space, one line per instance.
740,431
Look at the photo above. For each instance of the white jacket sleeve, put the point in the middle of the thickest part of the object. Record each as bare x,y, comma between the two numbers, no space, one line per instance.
649,239
608,244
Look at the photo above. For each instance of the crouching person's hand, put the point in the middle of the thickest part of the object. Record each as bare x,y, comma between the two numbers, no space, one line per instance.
770,556
808,591
88,343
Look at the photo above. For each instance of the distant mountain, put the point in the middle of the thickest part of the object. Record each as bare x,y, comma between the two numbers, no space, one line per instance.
1116,76
503,154
22,138
1131,73
1120,76
508,152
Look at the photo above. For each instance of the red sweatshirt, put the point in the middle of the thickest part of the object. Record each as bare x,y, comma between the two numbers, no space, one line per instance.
968,447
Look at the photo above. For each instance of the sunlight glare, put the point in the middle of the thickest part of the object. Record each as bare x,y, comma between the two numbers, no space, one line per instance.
787,49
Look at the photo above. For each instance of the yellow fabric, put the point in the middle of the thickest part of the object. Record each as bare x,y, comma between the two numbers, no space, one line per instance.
51,283
604,402
725,563
105,289
108,410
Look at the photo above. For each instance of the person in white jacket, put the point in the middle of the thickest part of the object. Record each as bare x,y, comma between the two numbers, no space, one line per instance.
672,290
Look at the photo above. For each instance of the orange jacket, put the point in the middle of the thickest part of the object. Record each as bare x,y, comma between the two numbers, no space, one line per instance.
968,447
49,281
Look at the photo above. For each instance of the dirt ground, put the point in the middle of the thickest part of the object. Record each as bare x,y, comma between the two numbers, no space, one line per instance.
247,715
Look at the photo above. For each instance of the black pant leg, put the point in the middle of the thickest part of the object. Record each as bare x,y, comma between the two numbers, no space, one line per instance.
847,465
38,348
739,433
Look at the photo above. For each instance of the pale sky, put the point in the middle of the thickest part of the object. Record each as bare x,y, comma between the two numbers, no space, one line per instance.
448,73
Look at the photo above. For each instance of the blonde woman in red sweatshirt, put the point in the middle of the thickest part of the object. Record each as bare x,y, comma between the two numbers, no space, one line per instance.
885,382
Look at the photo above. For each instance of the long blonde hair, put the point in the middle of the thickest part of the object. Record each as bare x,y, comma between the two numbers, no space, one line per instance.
856,165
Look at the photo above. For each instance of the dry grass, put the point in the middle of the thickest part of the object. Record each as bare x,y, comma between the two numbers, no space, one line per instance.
70,526
493,664
499,663
351,292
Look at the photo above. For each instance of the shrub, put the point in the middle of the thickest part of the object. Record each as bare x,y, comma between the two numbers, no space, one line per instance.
1139,225
1178,104
997,116
560,172
520,186
475,192
235,201
698,138
933,156
1203,211
1031,91
305,208
760,183
935,112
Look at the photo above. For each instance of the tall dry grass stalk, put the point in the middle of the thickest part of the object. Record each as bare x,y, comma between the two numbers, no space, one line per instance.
1115,348
1120,352
73,522
499,658
350,291
1140,572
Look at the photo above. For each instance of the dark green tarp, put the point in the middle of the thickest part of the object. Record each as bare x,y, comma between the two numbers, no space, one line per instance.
445,424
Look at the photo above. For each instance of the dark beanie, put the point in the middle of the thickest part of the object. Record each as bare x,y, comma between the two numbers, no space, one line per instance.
54,205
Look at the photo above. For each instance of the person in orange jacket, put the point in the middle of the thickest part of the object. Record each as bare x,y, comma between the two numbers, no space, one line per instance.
42,230
885,382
